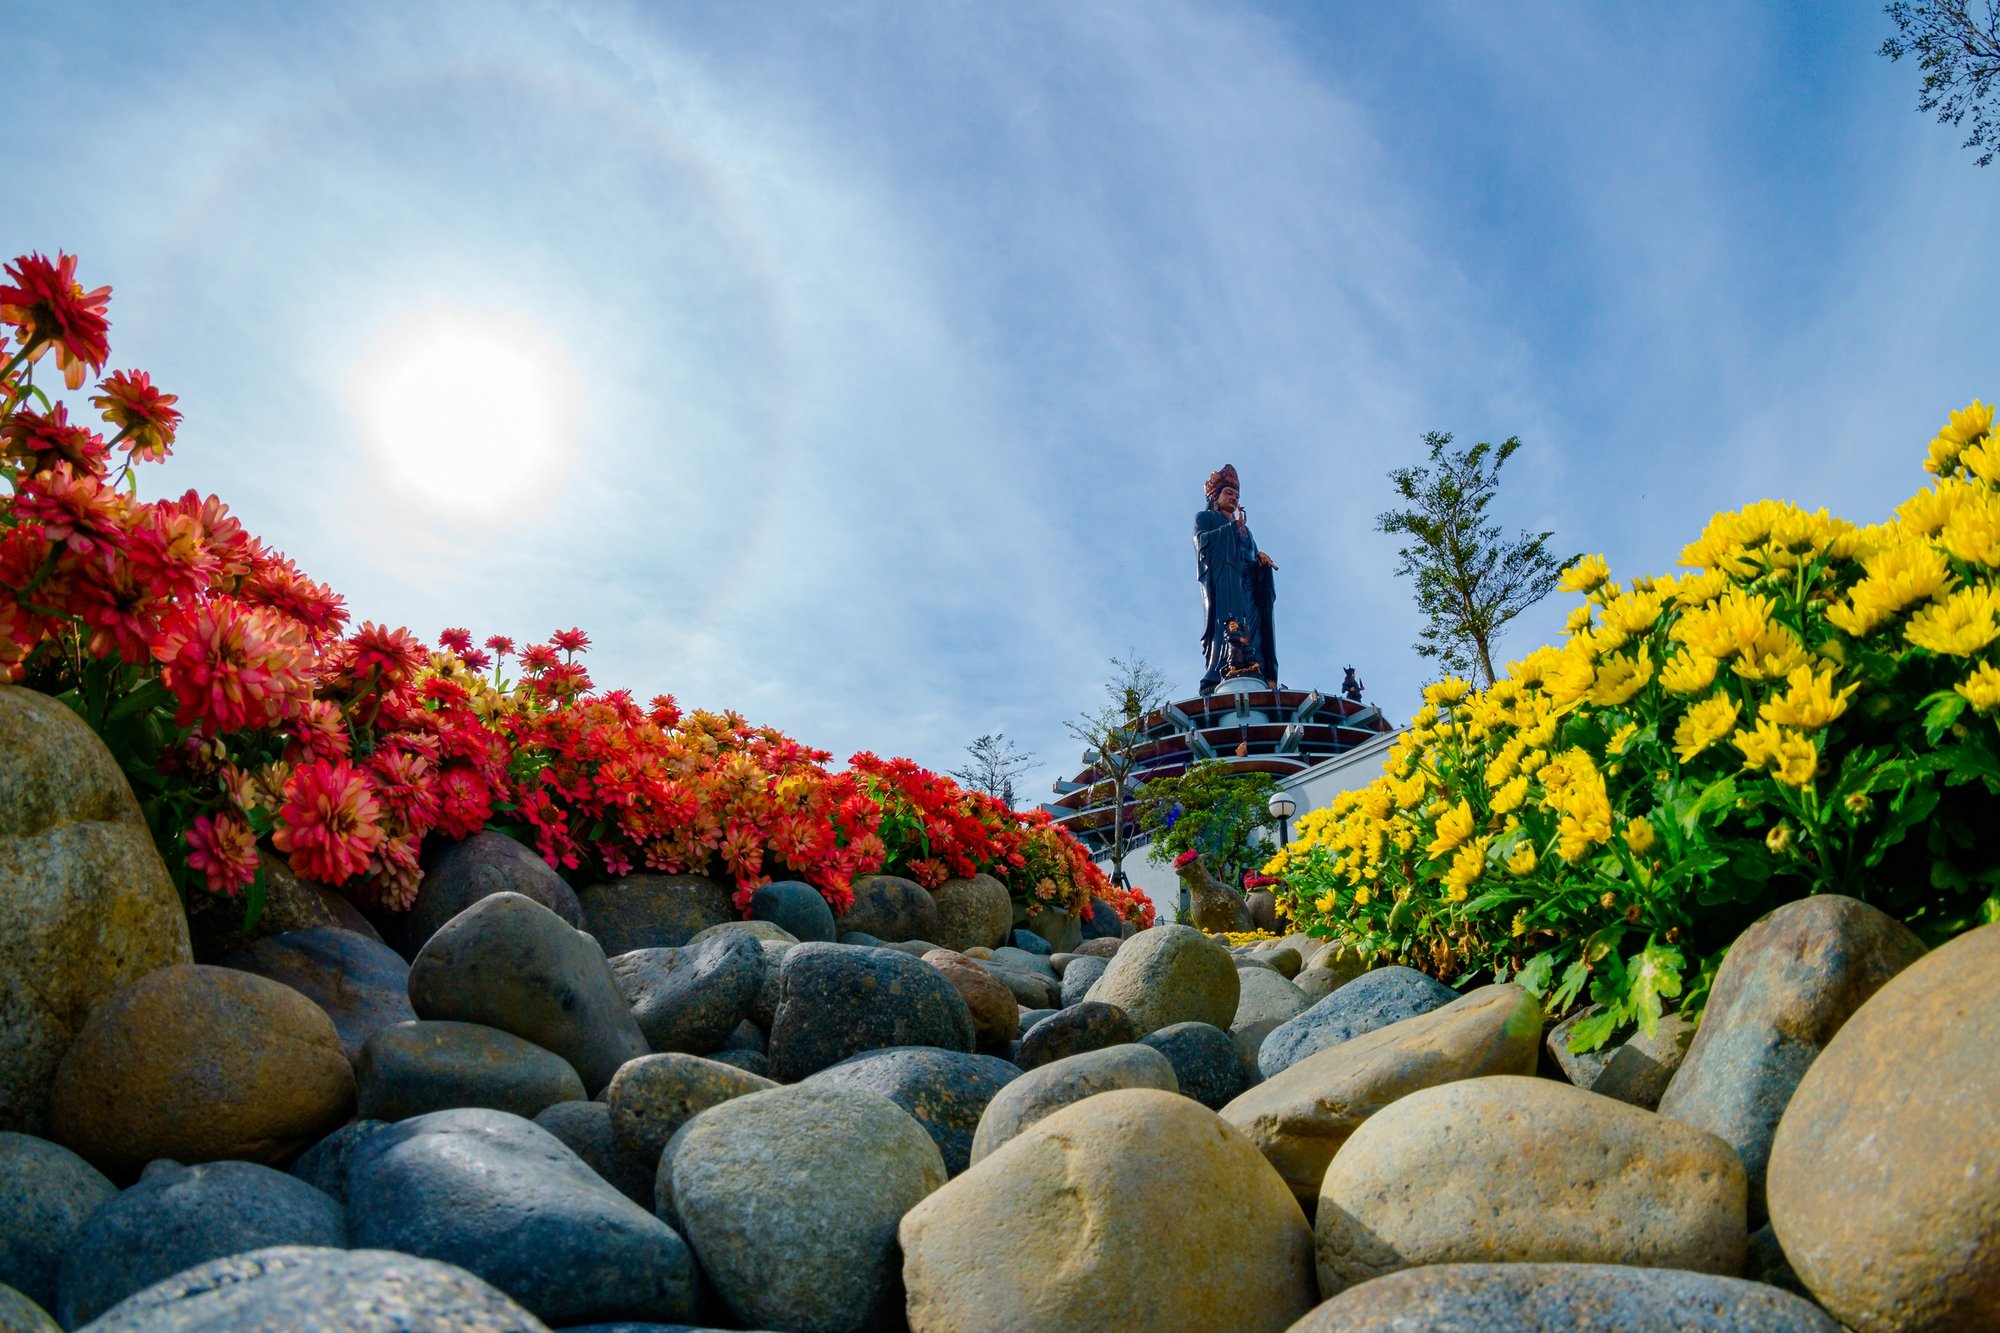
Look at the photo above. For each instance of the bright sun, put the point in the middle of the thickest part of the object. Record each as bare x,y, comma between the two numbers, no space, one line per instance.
468,409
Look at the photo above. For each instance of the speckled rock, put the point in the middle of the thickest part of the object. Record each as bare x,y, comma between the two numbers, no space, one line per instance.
650,911
1637,1070
797,907
836,1001
1266,997
996,1018
756,930
1081,974
504,1199
1372,1000
1088,1025
1884,1168
485,863
1029,989
1527,1170
585,1129
764,1006
890,908
293,1287
1303,1115
18,1314
653,1096
324,1165
1171,974
791,1199
179,1218
416,1068
1135,1209
1562,1298
1024,960
946,1091
972,913
1100,946
1205,1061
691,998
200,1063
750,1062
361,983
48,1192
1326,972
1785,987
510,963
1042,1092
88,908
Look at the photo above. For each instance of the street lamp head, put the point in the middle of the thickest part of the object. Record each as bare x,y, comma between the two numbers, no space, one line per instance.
1282,806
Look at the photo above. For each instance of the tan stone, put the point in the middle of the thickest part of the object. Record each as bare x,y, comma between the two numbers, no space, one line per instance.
1527,1170
1135,1209
973,913
86,907
996,1018
200,1064
1884,1183
1300,1118
1170,974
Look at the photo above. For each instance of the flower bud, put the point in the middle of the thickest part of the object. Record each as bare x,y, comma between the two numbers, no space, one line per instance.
1779,839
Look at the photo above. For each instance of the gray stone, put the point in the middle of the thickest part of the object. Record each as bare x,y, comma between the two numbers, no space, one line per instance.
463,873
791,1199
510,963
1044,1091
1085,1026
413,1069
324,1165
654,911
861,939
1205,1061
294,1287
504,1199
1171,974
178,1219
362,983
1058,930
1371,1001
47,1191
973,913
796,907
1784,988
1022,960
1030,1017
1266,997
759,931
890,908
690,999
1101,946
1562,1298
1102,921
747,1037
837,1001
750,1062
652,1097
1283,959
764,1007
946,1091
585,1129
1030,989
1027,941
18,1314
88,908
1079,976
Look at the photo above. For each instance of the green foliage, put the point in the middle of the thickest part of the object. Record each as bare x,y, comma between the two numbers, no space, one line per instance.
1223,815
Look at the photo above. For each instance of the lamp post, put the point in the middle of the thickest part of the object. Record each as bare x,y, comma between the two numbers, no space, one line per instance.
1282,807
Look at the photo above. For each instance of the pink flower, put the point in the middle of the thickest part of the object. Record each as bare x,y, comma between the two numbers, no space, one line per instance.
222,847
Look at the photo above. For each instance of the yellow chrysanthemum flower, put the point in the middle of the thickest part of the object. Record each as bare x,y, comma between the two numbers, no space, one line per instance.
1736,622
1960,625
1773,655
1639,836
1454,826
1972,533
1446,692
1688,672
1633,614
1619,678
1621,738
1982,460
1982,688
1510,796
1466,868
1965,426
1585,576
1522,862
1792,759
1700,589
1703,725
1578,621
1810,703
1363,896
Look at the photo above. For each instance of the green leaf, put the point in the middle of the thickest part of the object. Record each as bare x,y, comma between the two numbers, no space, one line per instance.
1655,974
1587,1034
1572,985
1540,971
253,902
1715,798
1941,710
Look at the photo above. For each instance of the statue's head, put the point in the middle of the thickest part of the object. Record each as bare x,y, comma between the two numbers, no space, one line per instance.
1222,488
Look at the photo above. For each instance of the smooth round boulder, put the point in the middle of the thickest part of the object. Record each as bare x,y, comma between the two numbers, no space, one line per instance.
585,1129
1282,959
1081,974
1087,1025
691,998
1042,1092
764,1007
1171,974
1029,941
1204,1060
48,1192
1527,1170
18,1314
1031,990
655,1095
996,1019
890,908
510,963
1102,922
503,1198
294,1287
1884,1185
1372,1000
361,983
791,1200
197,1064
1563,1298
750,1062
412,1069
1057,927
1265,997
1025,960
796,907
324,1165
836,1001
178,1218
463,873
1134,1209
946,1091
974,913
88,908
756,930
1100,946
650,911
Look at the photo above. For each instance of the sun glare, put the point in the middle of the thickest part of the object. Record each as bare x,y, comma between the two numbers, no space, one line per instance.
468,410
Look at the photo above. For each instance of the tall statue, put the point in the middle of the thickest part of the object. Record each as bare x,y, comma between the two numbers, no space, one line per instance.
1238,639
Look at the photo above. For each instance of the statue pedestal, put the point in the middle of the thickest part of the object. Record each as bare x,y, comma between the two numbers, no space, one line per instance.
1242,687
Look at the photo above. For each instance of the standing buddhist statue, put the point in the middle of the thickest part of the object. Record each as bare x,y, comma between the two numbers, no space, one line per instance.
1238,639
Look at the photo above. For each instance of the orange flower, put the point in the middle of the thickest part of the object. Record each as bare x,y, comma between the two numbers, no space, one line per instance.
223,848
145,417
51,309
328,827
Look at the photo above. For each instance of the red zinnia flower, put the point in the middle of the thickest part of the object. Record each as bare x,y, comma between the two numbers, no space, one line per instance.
475,660
52,309
501,644
224,849
537,658
396,654
74,507
43,439
455,640
231,666
328,825
570,640
145,417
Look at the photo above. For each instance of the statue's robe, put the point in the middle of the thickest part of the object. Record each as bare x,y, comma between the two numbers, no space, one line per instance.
1235,586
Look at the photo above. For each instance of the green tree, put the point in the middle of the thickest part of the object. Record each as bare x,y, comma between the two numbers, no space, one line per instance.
1470,581
1114,737
1960,57
1208,809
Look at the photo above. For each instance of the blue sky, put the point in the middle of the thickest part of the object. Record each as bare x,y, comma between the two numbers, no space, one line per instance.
870,357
